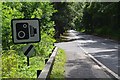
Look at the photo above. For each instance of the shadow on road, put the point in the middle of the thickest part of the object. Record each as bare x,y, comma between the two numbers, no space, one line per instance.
104,50
65,38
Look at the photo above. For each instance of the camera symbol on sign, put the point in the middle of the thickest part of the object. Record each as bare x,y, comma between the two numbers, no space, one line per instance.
25,31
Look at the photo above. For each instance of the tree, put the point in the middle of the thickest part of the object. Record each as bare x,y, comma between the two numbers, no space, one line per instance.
66,17
13,59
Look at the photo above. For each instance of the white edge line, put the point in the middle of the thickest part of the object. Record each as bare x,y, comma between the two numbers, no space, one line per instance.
102,66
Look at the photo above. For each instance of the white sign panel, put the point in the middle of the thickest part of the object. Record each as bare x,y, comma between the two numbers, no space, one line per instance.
28,50
25,30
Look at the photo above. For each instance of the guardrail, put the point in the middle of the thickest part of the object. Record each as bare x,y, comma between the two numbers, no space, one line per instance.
45,73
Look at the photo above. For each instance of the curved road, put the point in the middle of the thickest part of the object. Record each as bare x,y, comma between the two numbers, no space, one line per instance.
104,50
79,65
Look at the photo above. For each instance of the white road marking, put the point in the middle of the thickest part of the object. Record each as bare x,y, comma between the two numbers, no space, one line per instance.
102,66
99,63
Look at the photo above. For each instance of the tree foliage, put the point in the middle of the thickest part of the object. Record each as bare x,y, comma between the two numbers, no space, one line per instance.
99,18
55,18
66,16
13,59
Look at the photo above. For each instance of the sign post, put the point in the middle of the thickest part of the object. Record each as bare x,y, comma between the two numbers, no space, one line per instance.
27,61
28,51
26,31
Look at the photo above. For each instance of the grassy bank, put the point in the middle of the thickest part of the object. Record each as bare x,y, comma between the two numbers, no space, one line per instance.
15,66
58,67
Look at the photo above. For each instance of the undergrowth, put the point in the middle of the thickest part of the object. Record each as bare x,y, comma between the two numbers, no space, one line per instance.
58,67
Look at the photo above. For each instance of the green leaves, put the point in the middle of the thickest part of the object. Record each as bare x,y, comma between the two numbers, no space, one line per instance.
8,13
9,63
58,70
13,59
101,19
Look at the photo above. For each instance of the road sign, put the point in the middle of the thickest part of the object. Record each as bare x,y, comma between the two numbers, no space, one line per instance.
28,50
25,30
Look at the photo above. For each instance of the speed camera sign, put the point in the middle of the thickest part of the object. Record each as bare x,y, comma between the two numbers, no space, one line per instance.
25,30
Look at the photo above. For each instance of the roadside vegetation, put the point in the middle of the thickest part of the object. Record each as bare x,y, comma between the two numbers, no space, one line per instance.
58,70
97,18
14,62
0,40
55,18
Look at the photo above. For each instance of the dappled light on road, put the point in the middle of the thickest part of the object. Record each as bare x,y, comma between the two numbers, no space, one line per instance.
104,50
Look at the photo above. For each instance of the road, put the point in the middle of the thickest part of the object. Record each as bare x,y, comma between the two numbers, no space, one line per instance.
79,65
104,50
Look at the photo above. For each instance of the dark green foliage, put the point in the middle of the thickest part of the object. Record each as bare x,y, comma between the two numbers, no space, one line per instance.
98,18
68,16
93,18
58,18
13,60
101,19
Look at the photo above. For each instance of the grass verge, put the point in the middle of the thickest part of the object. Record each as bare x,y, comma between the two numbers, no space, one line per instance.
58,67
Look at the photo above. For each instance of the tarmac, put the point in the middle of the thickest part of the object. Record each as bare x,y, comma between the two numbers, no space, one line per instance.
79,65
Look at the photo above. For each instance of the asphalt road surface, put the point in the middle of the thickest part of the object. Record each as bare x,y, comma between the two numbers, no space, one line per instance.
79,65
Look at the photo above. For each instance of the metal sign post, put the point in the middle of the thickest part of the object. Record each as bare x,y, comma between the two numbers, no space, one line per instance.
28,51
26,31
27,61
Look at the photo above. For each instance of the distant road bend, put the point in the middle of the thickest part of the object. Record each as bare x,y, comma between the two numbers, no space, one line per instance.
79,65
